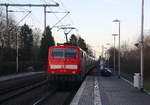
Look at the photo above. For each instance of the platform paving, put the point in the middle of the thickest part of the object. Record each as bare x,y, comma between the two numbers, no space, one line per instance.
98,90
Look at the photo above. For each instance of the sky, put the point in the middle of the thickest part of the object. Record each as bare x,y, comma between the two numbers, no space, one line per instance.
91,18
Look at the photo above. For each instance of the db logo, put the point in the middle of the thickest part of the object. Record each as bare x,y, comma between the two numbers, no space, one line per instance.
63,66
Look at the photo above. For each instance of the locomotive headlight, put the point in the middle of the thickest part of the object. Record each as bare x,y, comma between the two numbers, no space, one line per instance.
52,72
55,66
73,72
71,66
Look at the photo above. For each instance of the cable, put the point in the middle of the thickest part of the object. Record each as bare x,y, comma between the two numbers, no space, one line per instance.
67,10
23,18
33,19
54,14
50,9
64,9
63,5
60,20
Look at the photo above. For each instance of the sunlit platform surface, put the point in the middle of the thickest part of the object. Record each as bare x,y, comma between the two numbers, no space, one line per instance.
98,90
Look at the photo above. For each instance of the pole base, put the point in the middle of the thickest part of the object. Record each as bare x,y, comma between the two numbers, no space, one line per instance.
142,90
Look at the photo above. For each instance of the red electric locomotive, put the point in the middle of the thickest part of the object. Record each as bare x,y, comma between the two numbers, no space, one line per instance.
68,63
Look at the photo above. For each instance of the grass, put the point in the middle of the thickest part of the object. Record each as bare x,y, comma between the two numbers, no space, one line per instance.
130,79
147,88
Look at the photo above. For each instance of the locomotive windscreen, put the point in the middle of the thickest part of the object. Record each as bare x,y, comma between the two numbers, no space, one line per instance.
64,53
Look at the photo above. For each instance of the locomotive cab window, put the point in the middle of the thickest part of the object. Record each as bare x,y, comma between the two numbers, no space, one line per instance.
57,53
64,53
70,53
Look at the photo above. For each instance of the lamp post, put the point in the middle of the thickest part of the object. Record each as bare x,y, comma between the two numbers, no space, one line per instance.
142,46
107,54
118,47
114,52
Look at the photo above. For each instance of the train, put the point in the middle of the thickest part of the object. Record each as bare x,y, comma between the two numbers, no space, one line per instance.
68,63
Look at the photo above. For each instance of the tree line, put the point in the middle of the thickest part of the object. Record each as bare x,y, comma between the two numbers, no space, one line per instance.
29,44
130,57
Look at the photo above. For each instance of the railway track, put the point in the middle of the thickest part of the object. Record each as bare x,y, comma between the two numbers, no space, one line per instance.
39,92
19,91
42,93
13,86
57,97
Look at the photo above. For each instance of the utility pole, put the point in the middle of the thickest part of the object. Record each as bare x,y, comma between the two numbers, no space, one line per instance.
142,46
45,20
17,60
24,5
17,31
119,54
102,50
114,52
118,21
114,55
7,23
29,5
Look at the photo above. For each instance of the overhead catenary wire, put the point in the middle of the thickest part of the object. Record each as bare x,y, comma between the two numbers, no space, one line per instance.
20,8
31,14
33,19
53,13
29,5
60,20
67,10
11,28
70,18
23,18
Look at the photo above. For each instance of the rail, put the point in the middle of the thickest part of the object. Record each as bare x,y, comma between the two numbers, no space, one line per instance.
16,84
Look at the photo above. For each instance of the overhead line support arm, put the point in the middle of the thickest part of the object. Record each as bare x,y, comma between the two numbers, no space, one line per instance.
33,5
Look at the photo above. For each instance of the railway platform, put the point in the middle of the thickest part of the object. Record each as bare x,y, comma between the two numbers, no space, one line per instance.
98,90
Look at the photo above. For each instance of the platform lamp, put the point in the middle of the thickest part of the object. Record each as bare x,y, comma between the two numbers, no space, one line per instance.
114,51
118,21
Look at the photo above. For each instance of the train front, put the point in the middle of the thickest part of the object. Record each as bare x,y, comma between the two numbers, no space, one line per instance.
64,63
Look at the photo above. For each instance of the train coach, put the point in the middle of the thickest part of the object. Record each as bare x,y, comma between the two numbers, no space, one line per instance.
68,63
